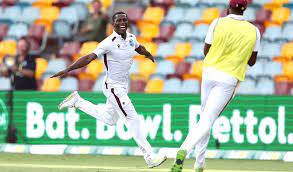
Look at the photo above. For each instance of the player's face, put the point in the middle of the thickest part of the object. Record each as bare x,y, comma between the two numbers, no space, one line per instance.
121,23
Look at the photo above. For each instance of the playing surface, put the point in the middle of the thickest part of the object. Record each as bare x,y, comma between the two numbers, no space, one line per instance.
89,163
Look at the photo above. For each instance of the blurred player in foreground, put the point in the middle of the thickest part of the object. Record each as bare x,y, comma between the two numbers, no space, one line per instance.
117,50
231,44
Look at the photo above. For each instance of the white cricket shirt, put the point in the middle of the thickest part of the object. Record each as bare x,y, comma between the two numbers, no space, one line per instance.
118,57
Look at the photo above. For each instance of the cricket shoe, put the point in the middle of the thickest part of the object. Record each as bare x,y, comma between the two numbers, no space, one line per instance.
155,160
69,101
178,164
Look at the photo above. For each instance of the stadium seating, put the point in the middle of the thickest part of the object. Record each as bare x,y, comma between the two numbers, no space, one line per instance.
51,84
154,86
69,84
5,83
172,85
190,86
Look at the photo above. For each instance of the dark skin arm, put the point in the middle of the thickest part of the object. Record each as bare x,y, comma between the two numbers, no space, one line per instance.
251,61
83,61
143,51
206,49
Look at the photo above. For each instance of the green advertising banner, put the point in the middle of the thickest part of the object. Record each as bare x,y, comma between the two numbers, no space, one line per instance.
248,123
3,116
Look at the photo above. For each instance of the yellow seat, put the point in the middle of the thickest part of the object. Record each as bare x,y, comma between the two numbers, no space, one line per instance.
286,51
150,31
41,66
151,47
86,48
106,3
182,50
288,69
196,68
8,48
43,3
210,14
154,86
280,15
146,67
51,84
154,15
48,24
50,13
95,68
280,1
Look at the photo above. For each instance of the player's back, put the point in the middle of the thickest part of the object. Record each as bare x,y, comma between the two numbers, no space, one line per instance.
232,46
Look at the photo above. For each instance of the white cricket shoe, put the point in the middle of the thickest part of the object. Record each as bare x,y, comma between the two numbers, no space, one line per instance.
69,101
155,160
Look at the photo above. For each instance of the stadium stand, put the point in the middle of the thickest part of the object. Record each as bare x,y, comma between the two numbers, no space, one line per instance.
173,31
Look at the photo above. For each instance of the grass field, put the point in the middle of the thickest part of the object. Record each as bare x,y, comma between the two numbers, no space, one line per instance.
88,163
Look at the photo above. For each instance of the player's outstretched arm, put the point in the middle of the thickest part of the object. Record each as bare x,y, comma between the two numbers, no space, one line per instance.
81,62
143,51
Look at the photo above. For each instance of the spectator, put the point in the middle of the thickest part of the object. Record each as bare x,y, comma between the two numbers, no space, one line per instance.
21,68
95,26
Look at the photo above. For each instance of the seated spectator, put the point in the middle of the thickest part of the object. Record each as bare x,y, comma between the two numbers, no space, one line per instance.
95,26
21,68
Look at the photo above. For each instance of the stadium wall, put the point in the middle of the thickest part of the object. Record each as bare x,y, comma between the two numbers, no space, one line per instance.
249,122
258,123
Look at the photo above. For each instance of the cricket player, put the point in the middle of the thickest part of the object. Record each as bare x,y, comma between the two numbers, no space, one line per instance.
231,43
117,50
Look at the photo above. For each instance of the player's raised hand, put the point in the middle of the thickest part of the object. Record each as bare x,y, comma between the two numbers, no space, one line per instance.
151,58
61,73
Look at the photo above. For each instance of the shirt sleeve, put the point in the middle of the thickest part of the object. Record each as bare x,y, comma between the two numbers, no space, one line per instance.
101,49
257,43
210,34
136,43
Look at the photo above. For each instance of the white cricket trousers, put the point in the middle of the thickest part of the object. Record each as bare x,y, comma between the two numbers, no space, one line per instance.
118,105
215,96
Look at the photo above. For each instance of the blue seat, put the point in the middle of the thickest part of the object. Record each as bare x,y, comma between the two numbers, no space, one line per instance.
84,1
273,33
17,30
27,1
192,14
30,14
165,67
172,86
62,29
273,68
248,86
197,49
269,50
291,16
183,30
200,32
217,2
250,14
190,86
166,49
5,83
261,2
69,14
69,84
134,68
256,70
82,10
12,13
175,15
55,65
287,32
99,83
187,2
265,86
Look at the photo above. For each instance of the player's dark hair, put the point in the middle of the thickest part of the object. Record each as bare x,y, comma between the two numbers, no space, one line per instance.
28,44
117,13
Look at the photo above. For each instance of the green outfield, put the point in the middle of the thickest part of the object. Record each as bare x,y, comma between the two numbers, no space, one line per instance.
89,163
